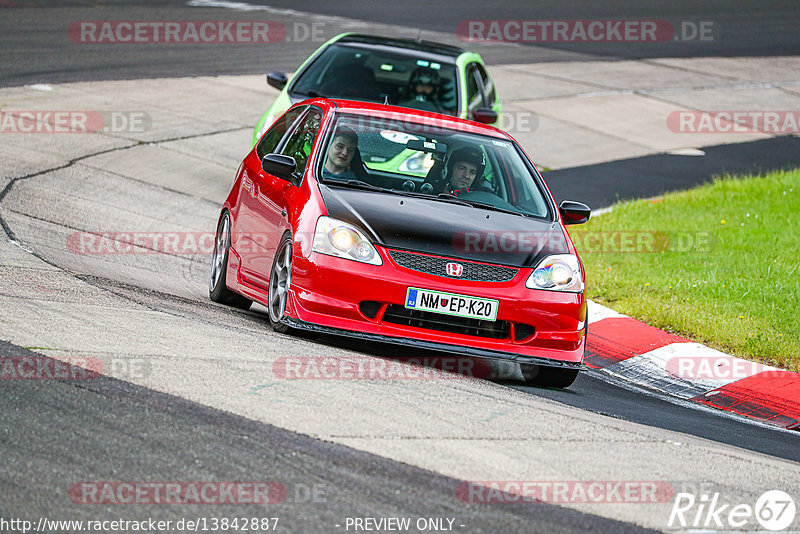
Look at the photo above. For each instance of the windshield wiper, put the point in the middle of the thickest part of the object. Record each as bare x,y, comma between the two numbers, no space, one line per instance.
492,207
355,184
450,197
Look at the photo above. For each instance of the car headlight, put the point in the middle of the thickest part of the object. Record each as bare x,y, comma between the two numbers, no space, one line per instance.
560,272
337,238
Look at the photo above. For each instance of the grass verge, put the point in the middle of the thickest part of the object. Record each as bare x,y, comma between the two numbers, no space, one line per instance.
719,264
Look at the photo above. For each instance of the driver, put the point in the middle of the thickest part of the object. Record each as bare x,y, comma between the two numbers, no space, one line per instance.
423,87
464,168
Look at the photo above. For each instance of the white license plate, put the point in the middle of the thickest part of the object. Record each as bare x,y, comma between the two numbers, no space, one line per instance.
451,304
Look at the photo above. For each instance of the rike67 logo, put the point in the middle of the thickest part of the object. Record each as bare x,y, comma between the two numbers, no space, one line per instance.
774,510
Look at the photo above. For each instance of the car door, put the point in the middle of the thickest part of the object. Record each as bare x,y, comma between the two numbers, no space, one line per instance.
252,240
270,205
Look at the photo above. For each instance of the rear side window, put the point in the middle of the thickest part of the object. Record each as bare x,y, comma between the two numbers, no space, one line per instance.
271,140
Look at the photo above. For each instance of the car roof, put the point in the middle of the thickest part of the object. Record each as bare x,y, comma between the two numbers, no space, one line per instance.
397,42
398,113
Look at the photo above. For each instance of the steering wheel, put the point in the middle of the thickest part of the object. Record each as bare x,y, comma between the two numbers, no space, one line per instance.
484,197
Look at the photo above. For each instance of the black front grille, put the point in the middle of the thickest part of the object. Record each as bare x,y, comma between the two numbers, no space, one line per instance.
479,272
446,323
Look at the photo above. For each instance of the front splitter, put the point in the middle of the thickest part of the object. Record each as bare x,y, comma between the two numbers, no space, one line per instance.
430,345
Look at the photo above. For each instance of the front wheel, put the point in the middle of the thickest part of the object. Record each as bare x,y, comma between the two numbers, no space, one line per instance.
552,377
217,288
280,279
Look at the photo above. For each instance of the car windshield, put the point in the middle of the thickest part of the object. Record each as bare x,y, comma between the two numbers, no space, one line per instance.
405,78
398,155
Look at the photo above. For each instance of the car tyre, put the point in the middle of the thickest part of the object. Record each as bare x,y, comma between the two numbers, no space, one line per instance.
280,279
217,286
552,377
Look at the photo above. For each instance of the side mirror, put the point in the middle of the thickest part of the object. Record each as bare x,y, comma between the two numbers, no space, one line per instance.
280,165
574,212
484,115
277,80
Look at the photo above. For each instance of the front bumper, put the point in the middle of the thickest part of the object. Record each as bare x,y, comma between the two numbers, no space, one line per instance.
546,327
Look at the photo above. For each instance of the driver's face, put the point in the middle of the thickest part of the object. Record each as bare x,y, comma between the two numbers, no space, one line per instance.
464,174
341,153
425,89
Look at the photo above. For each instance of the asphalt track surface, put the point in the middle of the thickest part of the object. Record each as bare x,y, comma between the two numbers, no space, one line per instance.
107,429
651,176
595,392
744,28
36,47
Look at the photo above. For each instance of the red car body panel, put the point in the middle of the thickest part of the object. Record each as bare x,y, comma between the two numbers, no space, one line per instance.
326,290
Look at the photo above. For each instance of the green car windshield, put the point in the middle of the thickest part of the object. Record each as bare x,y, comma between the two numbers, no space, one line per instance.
399,156
373,75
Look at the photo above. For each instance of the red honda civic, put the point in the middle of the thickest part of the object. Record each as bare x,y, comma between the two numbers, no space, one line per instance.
408,227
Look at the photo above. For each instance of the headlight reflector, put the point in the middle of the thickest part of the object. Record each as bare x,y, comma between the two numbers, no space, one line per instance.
338,238
559,272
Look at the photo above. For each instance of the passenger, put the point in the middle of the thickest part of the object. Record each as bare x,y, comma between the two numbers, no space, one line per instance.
340,154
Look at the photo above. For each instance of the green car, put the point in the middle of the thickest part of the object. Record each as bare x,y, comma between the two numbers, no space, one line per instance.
403,72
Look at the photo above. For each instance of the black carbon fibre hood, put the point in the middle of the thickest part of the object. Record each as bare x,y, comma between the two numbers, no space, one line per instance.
445,228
